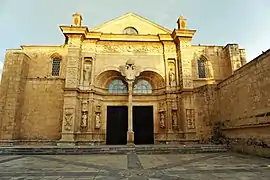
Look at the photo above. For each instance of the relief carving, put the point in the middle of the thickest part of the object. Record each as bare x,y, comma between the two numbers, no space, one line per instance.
97,120
190,116
174,105
71,72
71,77
68,118
84,119
74,42
130,71
88,47
174,119
162,115
85,105
162,120
98,116
184,43
170,49
125,47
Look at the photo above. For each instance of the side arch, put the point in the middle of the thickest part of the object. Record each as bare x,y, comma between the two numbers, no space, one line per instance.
104,78
155,79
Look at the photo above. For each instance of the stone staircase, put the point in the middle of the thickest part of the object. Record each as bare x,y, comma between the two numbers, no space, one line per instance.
110,149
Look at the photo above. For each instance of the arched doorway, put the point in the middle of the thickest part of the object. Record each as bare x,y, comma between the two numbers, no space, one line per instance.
114,87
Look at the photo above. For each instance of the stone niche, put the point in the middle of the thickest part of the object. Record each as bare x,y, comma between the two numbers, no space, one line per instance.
172,72
162,116
84,115
87,71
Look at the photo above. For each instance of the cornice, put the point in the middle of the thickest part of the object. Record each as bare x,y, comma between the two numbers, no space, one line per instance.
183,33
74,30
70,30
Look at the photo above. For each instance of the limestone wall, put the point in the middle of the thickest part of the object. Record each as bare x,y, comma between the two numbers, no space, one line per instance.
240,106
42,109
31,99
206,107
245,103
41,60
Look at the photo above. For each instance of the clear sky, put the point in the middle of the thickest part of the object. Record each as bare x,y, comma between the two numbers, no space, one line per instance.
217,22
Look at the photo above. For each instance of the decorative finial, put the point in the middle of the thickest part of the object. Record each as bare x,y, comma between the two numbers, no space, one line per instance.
182,22
77,19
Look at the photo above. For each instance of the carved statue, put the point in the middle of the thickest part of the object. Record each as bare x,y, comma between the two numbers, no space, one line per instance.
68,119
130,71
174,119
97,120
86,72
172,77
84,120
162,120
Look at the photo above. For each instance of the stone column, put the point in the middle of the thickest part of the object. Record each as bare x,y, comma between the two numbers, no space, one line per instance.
130,133
169,116
130,72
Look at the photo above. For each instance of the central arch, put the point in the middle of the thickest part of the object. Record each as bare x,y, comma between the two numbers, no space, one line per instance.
146,85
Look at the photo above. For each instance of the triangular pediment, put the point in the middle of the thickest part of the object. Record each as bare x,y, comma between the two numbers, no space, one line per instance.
142,25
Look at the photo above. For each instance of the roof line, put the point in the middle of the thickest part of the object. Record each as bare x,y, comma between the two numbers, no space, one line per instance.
133,14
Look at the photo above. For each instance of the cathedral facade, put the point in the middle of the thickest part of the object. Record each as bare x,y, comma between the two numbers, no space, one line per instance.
127,81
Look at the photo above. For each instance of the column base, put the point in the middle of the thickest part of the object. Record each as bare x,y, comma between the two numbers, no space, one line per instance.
67,137
130,138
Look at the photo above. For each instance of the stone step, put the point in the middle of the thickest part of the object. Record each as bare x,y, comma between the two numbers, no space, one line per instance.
85,150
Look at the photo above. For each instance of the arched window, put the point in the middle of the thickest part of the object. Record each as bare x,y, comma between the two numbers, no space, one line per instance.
117,86
142,87
56,62
130,30
201,68
56,67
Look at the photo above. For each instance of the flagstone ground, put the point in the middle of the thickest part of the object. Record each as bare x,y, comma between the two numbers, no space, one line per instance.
214,166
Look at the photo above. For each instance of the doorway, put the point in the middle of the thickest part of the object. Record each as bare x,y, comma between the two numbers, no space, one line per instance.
143,124
117,125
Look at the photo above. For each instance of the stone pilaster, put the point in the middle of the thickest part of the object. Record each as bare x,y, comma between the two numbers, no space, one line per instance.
170,63
169,116
71,84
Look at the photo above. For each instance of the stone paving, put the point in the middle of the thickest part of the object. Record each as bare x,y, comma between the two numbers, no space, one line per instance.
207,166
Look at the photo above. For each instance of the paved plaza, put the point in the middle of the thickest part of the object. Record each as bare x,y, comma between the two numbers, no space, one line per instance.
207,166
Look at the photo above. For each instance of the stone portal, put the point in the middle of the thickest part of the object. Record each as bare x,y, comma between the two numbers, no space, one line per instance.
143,124
117,125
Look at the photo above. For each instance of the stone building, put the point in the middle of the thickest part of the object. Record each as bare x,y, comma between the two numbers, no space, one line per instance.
128,80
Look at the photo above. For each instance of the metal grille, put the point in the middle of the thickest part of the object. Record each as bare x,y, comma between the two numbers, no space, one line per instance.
201,68
56,67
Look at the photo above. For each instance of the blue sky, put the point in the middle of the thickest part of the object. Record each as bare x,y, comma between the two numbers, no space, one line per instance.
217,22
